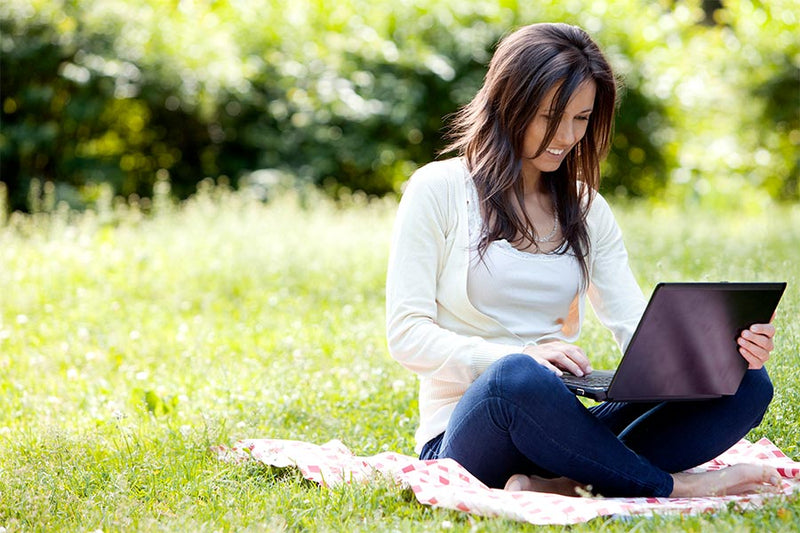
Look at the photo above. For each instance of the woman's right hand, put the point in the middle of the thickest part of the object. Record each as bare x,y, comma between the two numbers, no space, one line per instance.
559,356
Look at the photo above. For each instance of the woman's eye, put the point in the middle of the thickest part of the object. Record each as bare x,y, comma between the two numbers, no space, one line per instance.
585,117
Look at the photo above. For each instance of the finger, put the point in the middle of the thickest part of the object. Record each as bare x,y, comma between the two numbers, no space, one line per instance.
571,358
767,330
762,341
548,365
577,357
753,349
557,354
562,360
755,358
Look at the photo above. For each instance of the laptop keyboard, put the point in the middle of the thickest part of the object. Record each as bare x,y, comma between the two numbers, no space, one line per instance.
592,380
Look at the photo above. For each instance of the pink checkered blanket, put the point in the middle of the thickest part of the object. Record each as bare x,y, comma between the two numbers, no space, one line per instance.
444,483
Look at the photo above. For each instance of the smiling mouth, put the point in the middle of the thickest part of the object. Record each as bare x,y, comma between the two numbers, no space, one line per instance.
554,151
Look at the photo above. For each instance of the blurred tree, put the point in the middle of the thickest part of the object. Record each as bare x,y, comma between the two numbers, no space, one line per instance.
33,100
351,95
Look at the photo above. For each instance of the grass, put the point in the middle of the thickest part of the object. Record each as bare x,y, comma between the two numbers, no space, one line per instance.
129,344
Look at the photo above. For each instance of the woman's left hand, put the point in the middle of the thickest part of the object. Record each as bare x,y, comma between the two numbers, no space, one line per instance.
755,344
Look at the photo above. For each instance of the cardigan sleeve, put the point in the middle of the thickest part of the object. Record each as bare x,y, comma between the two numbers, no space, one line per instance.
613,292
422,241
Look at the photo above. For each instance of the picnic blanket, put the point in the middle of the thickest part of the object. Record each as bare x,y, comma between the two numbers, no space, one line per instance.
444,483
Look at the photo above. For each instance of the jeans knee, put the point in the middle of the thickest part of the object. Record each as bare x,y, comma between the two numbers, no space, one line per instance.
758,389
754,396
520,377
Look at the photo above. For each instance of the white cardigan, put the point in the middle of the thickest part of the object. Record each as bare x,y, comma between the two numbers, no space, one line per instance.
434,330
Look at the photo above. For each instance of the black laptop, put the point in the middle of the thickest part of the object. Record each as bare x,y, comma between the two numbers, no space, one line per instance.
685,344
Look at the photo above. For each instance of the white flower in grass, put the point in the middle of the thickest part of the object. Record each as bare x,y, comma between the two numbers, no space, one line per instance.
183,330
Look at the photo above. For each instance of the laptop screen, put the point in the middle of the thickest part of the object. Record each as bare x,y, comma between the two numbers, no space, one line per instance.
685,345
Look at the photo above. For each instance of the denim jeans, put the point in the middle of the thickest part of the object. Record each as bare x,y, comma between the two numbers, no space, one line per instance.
519,418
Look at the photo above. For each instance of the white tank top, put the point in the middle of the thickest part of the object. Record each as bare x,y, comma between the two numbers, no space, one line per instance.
530,294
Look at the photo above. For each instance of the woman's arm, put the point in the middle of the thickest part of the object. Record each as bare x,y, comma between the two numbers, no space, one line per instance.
614,293
422,242
617,298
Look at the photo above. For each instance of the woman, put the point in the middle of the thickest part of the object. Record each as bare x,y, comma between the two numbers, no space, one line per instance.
492,255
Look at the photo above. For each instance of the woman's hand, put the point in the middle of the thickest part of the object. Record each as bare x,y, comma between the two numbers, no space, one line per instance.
559,356
755,344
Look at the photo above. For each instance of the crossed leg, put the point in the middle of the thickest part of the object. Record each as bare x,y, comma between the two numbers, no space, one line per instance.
518,427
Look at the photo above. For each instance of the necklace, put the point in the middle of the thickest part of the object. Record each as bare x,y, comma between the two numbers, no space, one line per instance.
549,236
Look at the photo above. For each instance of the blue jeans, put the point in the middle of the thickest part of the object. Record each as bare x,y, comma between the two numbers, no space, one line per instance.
519,418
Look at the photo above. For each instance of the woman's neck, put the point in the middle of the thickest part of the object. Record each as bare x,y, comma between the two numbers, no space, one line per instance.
532,183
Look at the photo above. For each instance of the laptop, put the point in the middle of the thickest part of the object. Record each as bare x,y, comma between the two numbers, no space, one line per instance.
685,345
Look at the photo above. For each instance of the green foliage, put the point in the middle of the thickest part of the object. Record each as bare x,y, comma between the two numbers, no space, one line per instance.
350,95
130,344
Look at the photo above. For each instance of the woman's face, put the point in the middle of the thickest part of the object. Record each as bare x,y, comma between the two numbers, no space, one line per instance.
571,129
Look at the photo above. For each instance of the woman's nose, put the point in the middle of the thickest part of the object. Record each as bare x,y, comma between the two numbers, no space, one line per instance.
565,135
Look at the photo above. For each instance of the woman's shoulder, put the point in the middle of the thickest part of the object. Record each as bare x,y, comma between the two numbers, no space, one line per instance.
433,193
445,171
599,216
593,201
441,178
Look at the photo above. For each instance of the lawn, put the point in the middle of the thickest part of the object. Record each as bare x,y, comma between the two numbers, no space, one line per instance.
130,344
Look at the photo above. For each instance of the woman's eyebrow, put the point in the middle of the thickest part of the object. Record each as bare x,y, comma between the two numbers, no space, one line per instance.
587,110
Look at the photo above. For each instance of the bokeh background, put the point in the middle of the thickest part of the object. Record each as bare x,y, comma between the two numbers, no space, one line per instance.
114,98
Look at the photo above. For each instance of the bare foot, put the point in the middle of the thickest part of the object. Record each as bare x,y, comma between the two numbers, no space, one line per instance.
736,479
559,485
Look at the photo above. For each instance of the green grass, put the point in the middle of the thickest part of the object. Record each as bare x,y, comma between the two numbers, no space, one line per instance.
130,344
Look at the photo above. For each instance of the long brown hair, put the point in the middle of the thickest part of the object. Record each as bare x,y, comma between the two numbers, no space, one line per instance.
489,131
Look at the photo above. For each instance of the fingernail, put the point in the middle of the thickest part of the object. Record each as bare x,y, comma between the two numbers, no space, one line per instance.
774,480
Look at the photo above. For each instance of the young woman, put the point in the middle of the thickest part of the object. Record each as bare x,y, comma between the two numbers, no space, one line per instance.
493,253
